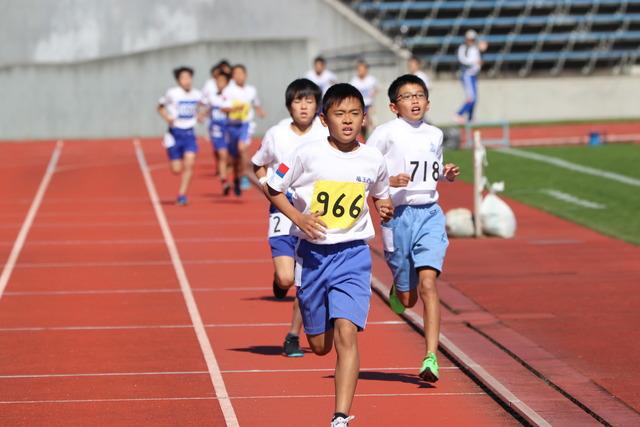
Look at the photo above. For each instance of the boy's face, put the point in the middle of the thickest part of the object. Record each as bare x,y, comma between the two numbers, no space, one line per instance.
412,103
319,67
185,80
362,71
303,110
344,120
240,76
221,81
413,66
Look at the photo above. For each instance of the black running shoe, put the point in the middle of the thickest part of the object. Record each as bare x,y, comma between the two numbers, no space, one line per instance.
292,346
278,292
236,187
226,189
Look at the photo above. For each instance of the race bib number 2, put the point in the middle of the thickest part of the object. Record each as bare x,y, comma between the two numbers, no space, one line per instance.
279,225
340,203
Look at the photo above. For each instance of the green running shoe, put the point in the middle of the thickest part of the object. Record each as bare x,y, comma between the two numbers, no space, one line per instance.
429,370
394,301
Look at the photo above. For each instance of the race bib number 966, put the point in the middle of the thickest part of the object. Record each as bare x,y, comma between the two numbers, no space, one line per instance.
339,203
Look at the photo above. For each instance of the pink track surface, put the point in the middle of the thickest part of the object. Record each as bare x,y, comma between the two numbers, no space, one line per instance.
94,329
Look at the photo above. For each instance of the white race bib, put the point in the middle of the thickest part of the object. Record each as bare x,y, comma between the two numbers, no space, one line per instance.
279,225
168,141
424,171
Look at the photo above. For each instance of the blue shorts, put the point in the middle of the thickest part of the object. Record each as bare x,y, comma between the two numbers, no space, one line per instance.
416,237
283,246
218,135
335,283
185,140
237,133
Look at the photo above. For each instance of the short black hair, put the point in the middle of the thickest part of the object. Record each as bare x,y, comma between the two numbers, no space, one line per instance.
319,59
301,88
338,93
416,59
227,76
180,70
241,66
217,67
394,88
361,61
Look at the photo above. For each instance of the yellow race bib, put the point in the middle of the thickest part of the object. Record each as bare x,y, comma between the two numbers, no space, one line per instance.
340,203
240,114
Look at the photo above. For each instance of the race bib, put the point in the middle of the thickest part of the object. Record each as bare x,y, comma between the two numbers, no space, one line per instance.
279,225
168,141
340,203
240,114
424,172
187,109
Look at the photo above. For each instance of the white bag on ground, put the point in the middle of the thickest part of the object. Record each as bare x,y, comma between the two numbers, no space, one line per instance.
460,223
496,217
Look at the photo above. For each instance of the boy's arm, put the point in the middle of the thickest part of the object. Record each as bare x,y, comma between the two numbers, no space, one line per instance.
165,114
310,224
380,194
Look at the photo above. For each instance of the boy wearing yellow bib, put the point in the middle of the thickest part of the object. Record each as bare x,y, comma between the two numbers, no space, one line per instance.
331,180
415,240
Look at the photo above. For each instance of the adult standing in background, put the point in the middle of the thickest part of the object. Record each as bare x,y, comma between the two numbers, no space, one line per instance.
470,64
320,75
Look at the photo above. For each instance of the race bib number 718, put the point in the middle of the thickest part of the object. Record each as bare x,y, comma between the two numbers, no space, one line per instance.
339,203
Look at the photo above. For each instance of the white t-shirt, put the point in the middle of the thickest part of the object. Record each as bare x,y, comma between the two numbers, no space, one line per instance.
424,78
281,141
366,86
217,101
325,80
469,57
245,96
327,180
414,149
182,106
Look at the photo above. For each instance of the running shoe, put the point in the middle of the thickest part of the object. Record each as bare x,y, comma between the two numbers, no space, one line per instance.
278,292
237,189
245,184
292,346
394,301
181,200
226,189
429,370
342,422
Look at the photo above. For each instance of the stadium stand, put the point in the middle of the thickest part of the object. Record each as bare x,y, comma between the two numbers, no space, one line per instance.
524,36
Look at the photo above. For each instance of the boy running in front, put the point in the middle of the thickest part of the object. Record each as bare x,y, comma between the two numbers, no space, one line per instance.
415,240
331,180
179,108
302,98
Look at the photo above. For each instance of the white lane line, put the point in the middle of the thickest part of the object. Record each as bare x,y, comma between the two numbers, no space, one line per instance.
140,241
179,373
28,220
571,166
489,380
138,224
185,326
289,396
130,291
570,198
151,263
201,332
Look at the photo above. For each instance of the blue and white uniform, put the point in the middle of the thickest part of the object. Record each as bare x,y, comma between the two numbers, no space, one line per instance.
367,87
241,123
277,147
470,64
182,107
416,236
334,273
218,118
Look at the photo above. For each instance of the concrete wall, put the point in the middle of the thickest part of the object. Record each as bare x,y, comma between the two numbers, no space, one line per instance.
118,96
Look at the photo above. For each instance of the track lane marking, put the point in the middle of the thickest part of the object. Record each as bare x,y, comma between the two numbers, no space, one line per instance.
200,330
28,220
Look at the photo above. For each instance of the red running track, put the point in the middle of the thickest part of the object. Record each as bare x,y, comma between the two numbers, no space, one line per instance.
95,327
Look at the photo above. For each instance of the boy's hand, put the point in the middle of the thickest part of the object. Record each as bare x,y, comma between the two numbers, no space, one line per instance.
451,171
312,226
385,209
169,121
400,180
